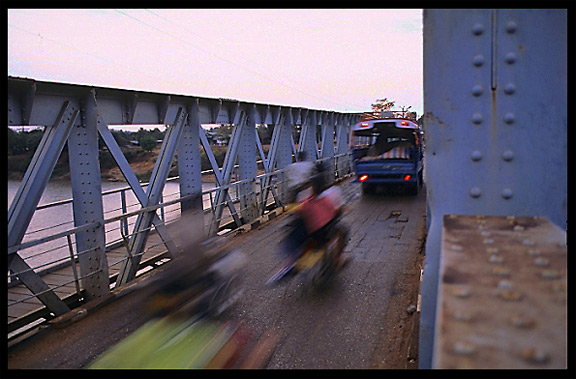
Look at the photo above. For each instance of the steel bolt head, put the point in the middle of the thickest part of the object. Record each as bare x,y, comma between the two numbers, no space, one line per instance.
509,89
508,155
478,29
522,322
550,274
478,60
511,27
501,271
510,58
464,348
509,118
476,155
464,316
542,262
536,356
477,90
477,118
475,192
461,291
510,295
507,193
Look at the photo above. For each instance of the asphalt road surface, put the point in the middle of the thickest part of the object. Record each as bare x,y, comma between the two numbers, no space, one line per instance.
357,321
365,318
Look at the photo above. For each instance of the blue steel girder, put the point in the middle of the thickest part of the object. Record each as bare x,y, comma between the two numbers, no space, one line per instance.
32,102
87,198
342,135
189,168
219,180
247,168
154,193
134,183
26,200
282,153
495,117
269,161
226,174
327,147
308,142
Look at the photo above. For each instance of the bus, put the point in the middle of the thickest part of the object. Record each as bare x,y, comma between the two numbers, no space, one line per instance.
388,151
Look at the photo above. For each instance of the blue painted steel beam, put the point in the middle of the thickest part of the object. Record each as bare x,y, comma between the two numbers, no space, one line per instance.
495,103
247,169
26,200
87,198
32,102
189,169
134,183
154,193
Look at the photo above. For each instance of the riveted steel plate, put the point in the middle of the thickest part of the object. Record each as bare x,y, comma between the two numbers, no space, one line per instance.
502,293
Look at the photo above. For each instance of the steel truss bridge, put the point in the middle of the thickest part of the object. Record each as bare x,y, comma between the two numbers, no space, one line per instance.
495,91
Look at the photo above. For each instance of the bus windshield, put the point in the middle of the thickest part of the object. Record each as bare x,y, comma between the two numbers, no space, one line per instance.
384,141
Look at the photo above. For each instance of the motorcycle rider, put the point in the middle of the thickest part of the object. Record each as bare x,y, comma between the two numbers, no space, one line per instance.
298,175
317,206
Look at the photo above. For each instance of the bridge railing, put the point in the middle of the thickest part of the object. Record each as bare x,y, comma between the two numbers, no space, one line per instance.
58,249
78,116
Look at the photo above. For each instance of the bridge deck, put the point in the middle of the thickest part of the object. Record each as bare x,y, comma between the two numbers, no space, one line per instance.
24,308
361,321
22,305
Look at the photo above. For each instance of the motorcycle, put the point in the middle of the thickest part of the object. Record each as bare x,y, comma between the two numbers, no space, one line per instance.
321,255
205,287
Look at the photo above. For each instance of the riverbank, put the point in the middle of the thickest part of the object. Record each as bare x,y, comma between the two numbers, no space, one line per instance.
142,164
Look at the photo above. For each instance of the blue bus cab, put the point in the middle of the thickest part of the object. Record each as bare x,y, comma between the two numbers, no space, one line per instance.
388,151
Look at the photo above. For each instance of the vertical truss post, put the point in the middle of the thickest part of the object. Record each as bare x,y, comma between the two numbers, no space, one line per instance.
327,150
247,156
190,170
342,126
87,199
308,141
283,151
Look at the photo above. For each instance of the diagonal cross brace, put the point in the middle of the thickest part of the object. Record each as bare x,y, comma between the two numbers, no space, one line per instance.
26,200
155,187
218,174
227,168
134,184
270,162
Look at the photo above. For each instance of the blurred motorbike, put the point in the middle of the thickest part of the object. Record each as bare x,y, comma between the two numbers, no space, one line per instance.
320,255
184,300
198,287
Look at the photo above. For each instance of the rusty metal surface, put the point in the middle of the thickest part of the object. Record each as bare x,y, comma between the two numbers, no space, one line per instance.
502,293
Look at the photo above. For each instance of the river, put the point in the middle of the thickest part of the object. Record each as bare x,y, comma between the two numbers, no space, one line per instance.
49,221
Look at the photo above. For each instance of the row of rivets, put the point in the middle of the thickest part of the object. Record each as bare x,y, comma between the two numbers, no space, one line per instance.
507,155
506,193
478,28
509,118
505,292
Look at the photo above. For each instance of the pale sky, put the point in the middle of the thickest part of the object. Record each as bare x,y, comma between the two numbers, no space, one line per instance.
334,59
